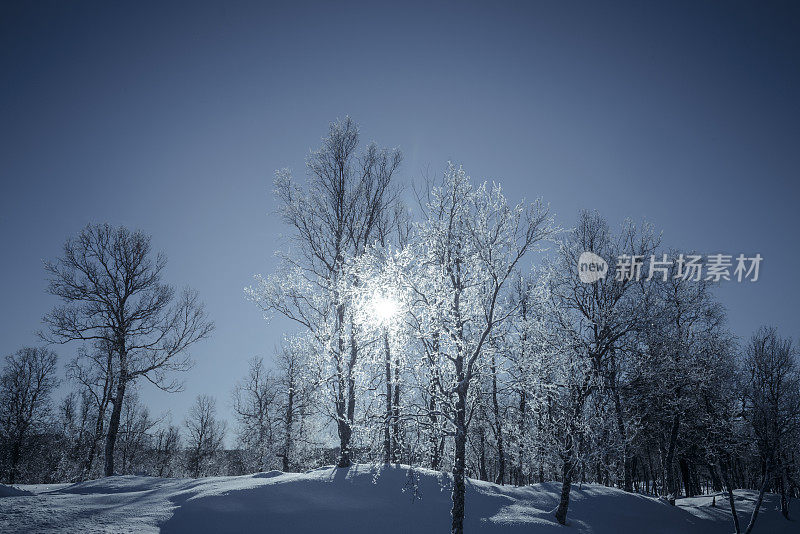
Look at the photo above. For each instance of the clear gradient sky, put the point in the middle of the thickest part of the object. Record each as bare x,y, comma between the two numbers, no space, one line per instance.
172,116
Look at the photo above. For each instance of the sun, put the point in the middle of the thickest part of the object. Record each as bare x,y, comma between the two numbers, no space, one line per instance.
383,308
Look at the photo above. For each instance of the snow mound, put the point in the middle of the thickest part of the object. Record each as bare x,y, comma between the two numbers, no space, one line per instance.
114,485
268,474
363,499
11,491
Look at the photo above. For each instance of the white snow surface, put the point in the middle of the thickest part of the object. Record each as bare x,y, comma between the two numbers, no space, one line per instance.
362,499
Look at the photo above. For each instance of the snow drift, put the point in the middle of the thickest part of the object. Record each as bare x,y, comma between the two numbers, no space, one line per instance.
362,499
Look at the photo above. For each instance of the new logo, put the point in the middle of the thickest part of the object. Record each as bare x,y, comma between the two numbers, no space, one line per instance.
591,267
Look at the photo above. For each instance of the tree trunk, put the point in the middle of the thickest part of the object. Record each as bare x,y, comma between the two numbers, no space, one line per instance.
566,486
669,473
396,412
89,463
387,439
569,455
540,448
685,475
521,437
758,501
459,487
498,423
343,428
113,427
716,484
435,442
287,446
108,387
626,460
784,490
346,400
729,488
482,474
98,435
345,433
652,473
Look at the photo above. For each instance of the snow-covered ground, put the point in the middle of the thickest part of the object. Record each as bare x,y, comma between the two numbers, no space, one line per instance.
362,499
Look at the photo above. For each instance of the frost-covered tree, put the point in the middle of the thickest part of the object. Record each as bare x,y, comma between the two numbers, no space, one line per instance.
333,218
466,251
297,427
594,320
677,359
380,310
530,379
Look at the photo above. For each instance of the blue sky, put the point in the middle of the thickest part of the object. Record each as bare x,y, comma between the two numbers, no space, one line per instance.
172,116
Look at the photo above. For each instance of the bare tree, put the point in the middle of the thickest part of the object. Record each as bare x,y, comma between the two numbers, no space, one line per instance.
255,402
271,408
205,436
75,413
95,373
166,443
26,383
112,291
134,435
